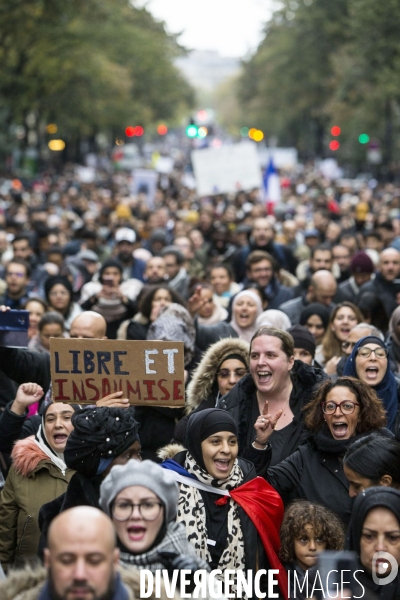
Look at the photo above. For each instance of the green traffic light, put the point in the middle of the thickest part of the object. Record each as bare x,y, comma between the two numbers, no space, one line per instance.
363,138
191,131
244,131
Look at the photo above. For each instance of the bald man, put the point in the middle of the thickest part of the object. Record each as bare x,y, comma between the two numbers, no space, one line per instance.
322,289
25,366
386,285
81,558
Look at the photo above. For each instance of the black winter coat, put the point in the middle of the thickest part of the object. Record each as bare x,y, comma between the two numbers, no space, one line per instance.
314,474
238,402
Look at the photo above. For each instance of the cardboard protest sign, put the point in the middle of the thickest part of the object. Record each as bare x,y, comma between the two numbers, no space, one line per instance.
148,373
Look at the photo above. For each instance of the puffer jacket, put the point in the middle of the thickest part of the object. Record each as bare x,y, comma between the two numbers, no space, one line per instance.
202,391
33,480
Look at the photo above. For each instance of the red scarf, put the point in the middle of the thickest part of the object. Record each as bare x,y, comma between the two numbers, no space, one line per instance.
265,508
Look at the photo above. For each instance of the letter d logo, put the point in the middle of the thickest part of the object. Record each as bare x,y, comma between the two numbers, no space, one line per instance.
385,560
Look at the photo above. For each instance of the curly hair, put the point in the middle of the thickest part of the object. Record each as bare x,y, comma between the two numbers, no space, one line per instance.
372,412
331,346
301,513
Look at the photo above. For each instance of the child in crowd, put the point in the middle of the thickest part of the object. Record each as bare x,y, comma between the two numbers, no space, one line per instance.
307,529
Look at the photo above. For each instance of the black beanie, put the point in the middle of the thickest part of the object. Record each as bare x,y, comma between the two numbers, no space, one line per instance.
104,432
110,262
303,338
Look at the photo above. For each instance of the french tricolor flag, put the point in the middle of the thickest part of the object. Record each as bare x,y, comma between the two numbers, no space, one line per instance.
272,187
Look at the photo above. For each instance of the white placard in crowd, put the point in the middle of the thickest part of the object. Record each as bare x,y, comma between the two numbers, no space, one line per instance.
145,182
226,169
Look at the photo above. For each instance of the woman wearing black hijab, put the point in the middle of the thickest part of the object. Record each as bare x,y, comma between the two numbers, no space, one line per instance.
375,527
316,318
232,517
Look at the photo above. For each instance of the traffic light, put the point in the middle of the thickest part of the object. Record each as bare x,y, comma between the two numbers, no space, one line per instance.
363,138
192,130
334,145
335,131
162,129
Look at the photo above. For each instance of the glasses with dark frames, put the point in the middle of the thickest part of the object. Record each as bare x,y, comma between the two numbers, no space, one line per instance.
123,509
346,407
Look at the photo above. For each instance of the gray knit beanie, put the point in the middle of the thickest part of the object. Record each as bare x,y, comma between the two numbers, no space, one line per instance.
146,473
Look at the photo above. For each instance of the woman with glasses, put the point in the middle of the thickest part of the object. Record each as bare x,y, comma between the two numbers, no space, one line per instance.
340,413
369,363
221,367
142,500
58,290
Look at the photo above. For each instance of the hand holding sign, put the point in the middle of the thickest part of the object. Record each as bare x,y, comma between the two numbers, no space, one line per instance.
114,400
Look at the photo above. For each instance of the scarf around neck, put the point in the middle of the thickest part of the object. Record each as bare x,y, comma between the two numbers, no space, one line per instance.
56,457
191,512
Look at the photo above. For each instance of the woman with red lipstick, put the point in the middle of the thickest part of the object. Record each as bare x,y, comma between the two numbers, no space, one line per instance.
38,475
340,413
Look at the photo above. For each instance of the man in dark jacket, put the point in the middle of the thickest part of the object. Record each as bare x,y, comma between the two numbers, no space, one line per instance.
322,289
263,270
262,238
386,285
361,269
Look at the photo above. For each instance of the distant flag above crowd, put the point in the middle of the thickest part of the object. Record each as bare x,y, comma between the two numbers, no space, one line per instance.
272,187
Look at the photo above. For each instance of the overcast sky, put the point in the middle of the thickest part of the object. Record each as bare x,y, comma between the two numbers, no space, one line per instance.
233,27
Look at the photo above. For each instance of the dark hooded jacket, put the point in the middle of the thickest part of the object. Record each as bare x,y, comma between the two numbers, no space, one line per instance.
241,402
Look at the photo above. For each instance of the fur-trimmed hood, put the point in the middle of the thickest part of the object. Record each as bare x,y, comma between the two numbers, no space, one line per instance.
27,455
201,384
170,450
26,584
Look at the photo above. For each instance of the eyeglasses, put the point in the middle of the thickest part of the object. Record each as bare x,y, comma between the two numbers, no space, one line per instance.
239,373
149,511
365,352
346,345
346,407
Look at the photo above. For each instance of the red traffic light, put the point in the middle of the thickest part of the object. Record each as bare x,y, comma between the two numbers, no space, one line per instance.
162,129
139,130
335,131
130,131
334,145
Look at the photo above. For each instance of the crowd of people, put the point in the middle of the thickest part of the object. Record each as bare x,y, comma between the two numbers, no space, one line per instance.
289,441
